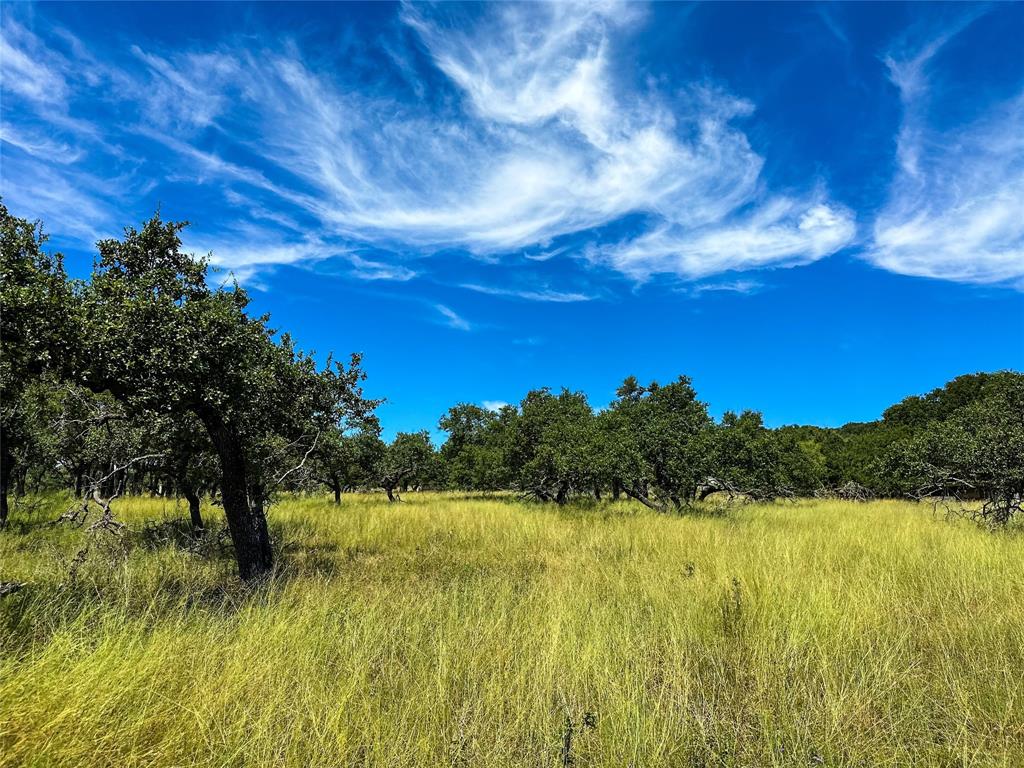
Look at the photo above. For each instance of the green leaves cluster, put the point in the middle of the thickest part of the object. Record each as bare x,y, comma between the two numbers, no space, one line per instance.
970,450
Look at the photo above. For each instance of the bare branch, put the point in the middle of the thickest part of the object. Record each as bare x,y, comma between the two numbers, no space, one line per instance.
301,463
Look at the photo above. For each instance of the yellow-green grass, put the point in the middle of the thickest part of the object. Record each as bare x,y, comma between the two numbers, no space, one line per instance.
463,631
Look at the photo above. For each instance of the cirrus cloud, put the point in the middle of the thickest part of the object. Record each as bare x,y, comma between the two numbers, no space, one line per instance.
523,136
955,205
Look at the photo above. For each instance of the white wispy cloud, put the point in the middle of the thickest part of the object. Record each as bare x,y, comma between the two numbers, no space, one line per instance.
494,405
542,140
30,69
595,155
452,319
530,295
745,287
781,232
367,269
955,205
39,145
250,248
64,199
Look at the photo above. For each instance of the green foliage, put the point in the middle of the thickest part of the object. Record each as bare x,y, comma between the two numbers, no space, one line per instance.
747,457
939,404
975,452
34,307
408,460
551,444
660,440
803,463
175,354
658,445
473,456
342,461
162,341
158,336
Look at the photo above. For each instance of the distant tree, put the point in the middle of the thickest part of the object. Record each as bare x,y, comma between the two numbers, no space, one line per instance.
473,456
745,458
331,461
975,453
343,461
802,460
366,452
409,457
81,435
663,433
919,410
620,458
551,443
188,459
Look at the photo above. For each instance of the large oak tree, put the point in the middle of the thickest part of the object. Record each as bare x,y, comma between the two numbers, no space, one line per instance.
155,334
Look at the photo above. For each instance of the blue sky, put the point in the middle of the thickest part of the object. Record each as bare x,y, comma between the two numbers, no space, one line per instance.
812,210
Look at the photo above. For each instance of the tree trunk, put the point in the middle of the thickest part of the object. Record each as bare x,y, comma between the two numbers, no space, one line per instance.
257,497
563,493
616,489
247,525
108,485
711,485
637,493
189,492
6,466
390,491
335,485
597,491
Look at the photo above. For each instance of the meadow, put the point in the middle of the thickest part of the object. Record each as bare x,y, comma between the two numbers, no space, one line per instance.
453,630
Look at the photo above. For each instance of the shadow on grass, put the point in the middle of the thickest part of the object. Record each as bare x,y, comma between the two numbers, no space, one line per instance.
297,559
210,543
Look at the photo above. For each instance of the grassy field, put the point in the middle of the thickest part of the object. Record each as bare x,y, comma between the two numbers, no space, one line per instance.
456,631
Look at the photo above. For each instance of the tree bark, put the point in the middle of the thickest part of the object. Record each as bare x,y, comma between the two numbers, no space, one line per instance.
192,498
563,494
638,494
246,524
616,489
337,493
710,486
6,466
390,491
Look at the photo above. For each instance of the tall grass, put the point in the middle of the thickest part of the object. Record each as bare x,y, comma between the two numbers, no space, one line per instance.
483,632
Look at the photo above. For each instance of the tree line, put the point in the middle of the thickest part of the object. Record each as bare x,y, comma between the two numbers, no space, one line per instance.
147,377
657,444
